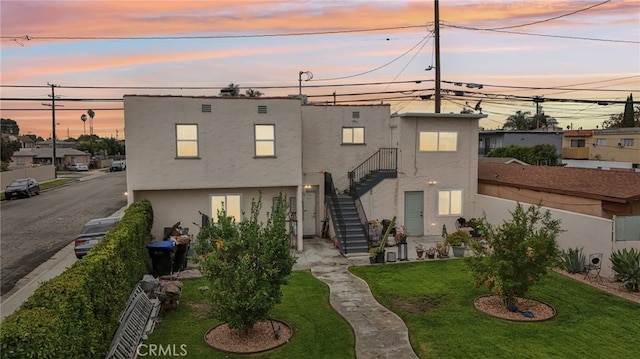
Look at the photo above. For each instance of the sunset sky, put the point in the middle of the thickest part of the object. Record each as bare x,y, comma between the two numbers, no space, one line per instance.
573,53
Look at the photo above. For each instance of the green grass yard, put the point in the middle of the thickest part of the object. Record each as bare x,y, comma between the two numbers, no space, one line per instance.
318,331
589,323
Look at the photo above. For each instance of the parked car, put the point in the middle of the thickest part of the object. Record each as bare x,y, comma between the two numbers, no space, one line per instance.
92,233
78,167
24,187
118,166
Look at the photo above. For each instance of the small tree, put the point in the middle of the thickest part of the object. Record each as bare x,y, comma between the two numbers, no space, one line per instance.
519,252
246,264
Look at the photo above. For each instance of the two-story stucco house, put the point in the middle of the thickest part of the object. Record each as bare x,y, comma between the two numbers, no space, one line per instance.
338,165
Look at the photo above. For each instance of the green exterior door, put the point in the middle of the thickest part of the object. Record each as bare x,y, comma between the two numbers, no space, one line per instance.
414,212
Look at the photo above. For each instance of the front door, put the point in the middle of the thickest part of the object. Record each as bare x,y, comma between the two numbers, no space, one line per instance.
414,212
309,214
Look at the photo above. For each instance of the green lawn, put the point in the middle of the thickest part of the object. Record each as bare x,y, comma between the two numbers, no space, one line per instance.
589,323
319,332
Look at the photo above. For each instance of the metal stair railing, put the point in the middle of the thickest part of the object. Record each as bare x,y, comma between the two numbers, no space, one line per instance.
331,200
385,159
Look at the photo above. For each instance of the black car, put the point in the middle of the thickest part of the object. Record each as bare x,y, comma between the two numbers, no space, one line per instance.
24,187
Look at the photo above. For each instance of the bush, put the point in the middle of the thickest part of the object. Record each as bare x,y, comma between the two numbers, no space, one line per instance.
76,314
246,266
573,260
626,264
519,253
458,238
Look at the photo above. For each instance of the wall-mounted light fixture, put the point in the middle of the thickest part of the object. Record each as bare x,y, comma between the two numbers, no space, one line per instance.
431,183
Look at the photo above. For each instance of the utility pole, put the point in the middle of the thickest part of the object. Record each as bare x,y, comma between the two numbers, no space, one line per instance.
53,127
436,10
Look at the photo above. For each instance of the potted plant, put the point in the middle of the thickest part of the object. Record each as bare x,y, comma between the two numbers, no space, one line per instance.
420,250
476,224
431,252
376,255
442,250
457,241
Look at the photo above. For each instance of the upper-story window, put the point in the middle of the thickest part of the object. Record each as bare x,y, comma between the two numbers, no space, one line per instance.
353,135
438,141
601,142
186,140
626,142
450,202
578,143
265,137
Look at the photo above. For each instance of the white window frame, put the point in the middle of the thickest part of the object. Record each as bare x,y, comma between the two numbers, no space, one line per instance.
601,142
446,207
259,142
186,141
349,135
221,200
427,139
627,142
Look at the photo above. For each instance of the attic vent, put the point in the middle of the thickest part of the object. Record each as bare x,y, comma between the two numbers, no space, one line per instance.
206,108
262,109
355,114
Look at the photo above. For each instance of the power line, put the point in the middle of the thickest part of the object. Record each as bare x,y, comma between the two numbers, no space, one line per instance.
206,37
550,19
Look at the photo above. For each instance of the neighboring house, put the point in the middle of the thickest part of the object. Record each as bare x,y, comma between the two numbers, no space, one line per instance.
193,155
26,142
64,156
22,158
488,140
612,145
595,192
59,144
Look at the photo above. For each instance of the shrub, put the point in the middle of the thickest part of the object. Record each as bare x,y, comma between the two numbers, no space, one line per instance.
76,314
247,265
573,260
519,253
458,238
626,264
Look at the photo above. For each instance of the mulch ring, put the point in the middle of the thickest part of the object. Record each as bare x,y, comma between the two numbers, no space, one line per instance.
259,339
492,305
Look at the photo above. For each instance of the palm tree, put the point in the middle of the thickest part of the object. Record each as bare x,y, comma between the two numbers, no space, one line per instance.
91,115
231,90
253,93
521,121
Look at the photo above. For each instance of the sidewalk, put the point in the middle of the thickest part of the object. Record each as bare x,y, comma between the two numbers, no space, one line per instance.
379,332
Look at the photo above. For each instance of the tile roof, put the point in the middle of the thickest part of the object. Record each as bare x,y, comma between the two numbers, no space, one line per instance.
608,185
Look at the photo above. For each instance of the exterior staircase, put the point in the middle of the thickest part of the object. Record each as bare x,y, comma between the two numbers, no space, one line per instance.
347,214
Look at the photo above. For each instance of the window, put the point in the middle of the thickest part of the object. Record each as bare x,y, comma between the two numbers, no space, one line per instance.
230,203
450,203
626,142
187,141
577,143
353,135
601,142
265,140
438,141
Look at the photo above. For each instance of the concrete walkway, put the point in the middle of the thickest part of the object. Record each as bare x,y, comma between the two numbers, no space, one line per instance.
379,332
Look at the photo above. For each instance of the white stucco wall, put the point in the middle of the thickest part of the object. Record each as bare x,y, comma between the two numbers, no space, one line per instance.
225,139
322,146
184,206
592,234
429,172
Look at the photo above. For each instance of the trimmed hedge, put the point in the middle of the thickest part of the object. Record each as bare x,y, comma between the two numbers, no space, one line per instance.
76,314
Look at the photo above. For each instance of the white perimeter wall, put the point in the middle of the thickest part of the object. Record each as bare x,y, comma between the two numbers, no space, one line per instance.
592,234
